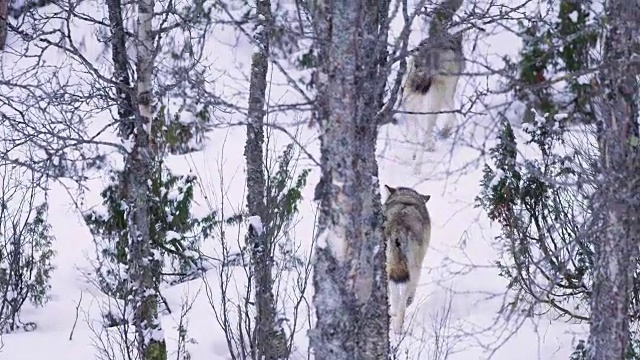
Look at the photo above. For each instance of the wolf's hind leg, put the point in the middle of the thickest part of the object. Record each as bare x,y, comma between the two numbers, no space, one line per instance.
429,136
449,105
412,286
449,124
437,100
394,297
398,321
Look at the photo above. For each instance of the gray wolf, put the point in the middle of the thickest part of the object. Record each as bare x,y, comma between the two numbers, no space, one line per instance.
407,232
429,86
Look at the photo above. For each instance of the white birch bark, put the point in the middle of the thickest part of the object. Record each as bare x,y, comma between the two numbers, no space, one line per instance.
145,266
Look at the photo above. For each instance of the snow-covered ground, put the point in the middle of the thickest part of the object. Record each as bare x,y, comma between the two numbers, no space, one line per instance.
458,267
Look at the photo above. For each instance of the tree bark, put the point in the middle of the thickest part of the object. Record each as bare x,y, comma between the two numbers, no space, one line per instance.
121,68
617,199
145,263
4,11
349,278
267,342
145,267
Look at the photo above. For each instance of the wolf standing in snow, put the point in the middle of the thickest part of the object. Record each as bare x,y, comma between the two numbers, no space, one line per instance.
429,86
407,232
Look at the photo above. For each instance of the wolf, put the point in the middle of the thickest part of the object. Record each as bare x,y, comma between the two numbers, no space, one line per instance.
407,232
429,86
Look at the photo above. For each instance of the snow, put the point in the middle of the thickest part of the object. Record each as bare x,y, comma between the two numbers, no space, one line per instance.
574,16
458,276
330,238
172,235
255,222
497,177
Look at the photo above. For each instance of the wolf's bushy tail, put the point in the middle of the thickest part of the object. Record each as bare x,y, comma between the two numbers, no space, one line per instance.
419,81
397,264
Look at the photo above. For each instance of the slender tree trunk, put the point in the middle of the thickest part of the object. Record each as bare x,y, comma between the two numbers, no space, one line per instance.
267,342
145,264
144,267
121,67
4,11
349,279
618,199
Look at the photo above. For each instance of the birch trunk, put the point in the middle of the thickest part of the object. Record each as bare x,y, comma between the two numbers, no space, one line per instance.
267,342
145,266
349,279
618,199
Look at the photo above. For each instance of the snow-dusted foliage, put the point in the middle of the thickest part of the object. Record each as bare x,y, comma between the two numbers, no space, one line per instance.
542,213
175,233
538,190
25,248
558,195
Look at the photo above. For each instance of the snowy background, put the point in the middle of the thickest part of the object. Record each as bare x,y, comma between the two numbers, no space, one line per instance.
459,279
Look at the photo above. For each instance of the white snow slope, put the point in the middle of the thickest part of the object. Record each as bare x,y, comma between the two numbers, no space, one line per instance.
458,267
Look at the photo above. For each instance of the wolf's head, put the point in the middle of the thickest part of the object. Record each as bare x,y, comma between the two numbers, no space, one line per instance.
404,195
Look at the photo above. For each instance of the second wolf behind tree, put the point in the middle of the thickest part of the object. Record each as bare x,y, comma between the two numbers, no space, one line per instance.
407,233
429,87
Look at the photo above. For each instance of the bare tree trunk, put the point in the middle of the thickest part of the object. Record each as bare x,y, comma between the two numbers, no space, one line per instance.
4,7
267,342
618,200
121,67
349,279
146,265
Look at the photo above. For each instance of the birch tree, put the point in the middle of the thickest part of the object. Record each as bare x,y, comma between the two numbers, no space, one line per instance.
145,266
349,278
59,137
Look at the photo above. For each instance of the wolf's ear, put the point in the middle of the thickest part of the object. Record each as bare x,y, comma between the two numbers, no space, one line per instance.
426,198
390,190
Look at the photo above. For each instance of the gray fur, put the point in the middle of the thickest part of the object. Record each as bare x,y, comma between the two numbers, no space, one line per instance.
428,90
407,232
428,62
404,198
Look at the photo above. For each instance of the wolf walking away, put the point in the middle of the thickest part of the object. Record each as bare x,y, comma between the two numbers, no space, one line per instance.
429,86
407,232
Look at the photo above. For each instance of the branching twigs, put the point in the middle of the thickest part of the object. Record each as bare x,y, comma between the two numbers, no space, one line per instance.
75,321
